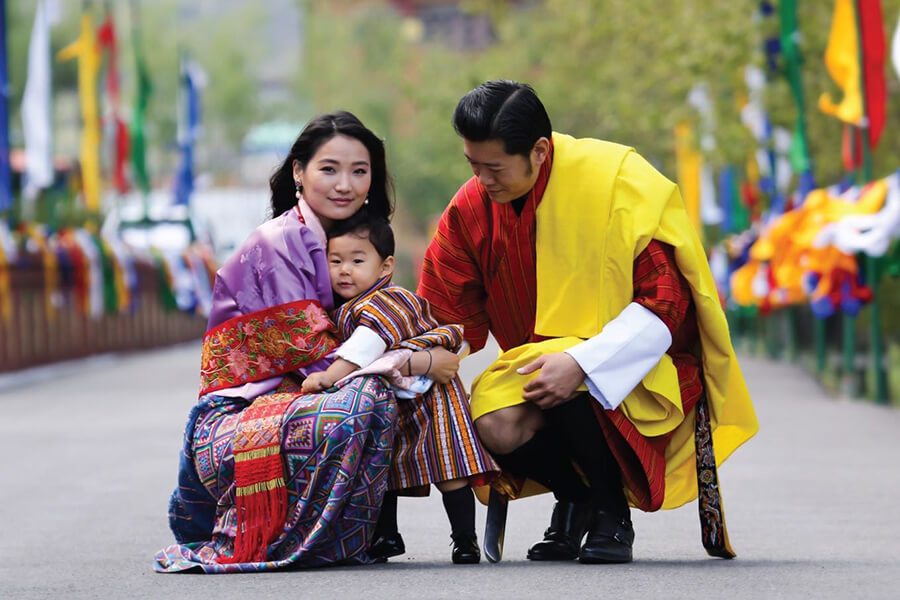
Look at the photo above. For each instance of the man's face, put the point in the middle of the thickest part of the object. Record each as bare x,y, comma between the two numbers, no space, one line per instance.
506,177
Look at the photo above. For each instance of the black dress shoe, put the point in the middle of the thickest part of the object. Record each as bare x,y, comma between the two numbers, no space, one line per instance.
562,538
465,549
386,546
609,540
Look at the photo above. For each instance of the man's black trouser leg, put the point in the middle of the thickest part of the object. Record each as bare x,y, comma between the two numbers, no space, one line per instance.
545,459
610,534
578,428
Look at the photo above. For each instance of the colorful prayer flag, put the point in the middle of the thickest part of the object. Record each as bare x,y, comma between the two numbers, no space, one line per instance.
141,98
799,152
842,62
895,48
7,256
106,37
5,173
192,80
874,48
689,165
37,107
86,51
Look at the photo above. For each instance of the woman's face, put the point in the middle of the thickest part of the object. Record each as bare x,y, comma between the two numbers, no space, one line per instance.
336,180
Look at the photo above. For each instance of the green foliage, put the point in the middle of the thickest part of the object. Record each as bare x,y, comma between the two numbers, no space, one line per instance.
615,69
364,64
619,70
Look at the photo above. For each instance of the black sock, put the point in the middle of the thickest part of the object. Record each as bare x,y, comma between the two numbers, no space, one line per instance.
387,518
460,507
581,433
541,458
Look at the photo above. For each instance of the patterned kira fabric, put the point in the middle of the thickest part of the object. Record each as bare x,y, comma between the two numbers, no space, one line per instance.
336,448
435,438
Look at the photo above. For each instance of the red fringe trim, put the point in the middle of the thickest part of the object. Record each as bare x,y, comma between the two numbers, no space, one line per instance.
260,513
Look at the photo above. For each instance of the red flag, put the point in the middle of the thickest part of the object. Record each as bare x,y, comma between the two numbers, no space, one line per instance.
851,147
106,37
874,48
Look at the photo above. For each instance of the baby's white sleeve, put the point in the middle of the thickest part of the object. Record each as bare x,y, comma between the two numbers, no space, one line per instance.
362,347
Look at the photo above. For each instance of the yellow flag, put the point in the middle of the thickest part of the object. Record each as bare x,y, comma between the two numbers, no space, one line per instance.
689,164
5,288
842,62
86,51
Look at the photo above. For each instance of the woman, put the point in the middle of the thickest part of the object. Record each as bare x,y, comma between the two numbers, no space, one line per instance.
271,477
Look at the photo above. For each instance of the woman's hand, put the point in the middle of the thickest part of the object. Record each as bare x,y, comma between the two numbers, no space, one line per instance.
316,382
441,366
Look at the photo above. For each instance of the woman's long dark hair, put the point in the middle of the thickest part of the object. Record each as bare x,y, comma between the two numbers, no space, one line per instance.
314,135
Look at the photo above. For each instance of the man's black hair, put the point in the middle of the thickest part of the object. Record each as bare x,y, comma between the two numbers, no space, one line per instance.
377,230
503,110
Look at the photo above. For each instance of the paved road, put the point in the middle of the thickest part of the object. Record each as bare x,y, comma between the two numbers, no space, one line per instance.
88,455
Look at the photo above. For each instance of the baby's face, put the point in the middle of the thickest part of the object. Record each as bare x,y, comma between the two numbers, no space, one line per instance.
354,265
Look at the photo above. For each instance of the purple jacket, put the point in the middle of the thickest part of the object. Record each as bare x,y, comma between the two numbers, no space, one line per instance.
283,260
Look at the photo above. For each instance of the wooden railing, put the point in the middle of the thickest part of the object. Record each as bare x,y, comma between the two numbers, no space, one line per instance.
31,337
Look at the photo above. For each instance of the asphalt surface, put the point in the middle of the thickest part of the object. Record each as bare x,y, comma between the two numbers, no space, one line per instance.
88,453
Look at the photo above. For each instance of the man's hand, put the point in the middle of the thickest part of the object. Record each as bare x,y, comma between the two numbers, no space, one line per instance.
560,376
316,382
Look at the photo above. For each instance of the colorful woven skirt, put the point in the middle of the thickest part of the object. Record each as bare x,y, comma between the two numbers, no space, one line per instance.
436,441
336,449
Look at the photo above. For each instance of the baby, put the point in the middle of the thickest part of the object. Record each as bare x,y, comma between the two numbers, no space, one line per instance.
435,440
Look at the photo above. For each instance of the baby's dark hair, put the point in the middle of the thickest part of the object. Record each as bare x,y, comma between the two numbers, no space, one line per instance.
378,230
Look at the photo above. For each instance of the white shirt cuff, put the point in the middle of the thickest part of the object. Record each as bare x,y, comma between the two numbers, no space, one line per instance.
362,347
617,359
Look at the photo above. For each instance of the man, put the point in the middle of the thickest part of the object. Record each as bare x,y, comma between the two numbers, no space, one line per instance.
579,258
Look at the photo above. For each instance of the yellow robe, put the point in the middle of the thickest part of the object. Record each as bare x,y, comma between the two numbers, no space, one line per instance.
602,206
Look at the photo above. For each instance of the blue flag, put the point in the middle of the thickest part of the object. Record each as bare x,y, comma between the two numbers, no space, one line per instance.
5,173
726,198
192,80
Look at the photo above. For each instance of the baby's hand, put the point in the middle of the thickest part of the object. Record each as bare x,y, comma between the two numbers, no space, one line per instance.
316,382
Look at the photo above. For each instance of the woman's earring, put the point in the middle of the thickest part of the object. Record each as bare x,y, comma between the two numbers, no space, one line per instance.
299,191
366,201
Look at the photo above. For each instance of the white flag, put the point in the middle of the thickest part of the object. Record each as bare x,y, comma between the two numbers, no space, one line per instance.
895,49
710,211
36,107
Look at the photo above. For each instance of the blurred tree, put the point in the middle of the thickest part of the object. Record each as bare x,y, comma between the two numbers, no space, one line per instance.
230,99
615,69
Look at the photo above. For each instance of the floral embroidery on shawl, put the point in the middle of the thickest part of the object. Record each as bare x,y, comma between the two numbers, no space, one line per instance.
264,344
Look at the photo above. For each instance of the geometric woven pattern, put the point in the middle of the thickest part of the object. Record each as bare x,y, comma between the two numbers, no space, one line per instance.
336,449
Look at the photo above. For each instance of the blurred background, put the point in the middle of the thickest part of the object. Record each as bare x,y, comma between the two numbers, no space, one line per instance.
161,140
